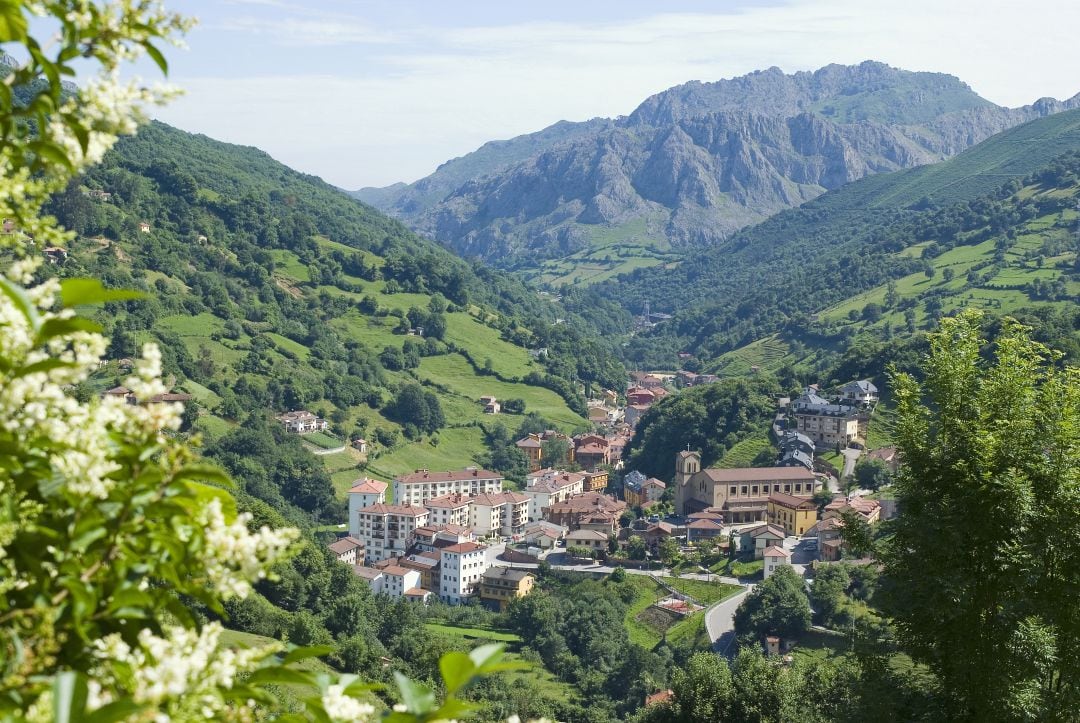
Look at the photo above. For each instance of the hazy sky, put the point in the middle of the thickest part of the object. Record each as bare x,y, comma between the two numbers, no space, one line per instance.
368,92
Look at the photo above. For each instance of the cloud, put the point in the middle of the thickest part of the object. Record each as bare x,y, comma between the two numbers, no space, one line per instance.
419,95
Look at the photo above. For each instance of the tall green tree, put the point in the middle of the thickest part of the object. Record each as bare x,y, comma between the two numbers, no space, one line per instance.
778,606
984,563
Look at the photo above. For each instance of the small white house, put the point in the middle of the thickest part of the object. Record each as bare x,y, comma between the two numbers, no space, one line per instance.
774,558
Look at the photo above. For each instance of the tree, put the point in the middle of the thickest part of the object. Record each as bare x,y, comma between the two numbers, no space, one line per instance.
514,406
829,591
983,562
635,547
669,551
872,474
777,606
703,689
553,452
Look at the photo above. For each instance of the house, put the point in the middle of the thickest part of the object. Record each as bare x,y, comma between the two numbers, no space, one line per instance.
422,485
828,424
387,530
419,595
363,493
593,540
55,254
829,536
809,398
887,455
591,450
460,568
427,565
348,550
144,227
490,404
870,510
641,396
740,495
398,579
792,440
372,576
759,538
168,397
432,538
646,380
499,513
774,557
544,535
360,445
656,533
301,422
500,585
547,487
119,393
697,530
795,514
634,412
795,458
532,448
596,481
862,392
97,194
637,489
581,508
451,509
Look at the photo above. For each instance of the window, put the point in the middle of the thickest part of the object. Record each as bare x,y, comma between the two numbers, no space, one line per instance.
798,487
754,490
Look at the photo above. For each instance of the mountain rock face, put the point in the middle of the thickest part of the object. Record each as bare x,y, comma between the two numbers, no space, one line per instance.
698,161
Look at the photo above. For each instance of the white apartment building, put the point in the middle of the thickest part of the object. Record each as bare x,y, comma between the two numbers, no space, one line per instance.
461,568
548,487
398,580
503,513
363,493
422,485
302,422
452,509
387,530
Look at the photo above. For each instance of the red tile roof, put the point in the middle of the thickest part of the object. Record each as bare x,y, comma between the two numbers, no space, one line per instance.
423,476
463,547
365,486
383,509
775,551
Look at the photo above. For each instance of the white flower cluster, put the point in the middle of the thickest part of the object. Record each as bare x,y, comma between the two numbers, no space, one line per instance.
184,665
35,407
341,707
234,556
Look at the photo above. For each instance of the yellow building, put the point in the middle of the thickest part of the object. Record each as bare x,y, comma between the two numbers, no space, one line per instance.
500,585
795,514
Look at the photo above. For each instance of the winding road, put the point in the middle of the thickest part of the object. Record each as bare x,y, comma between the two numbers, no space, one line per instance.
720,621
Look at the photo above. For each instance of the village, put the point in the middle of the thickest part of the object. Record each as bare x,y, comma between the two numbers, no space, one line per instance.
467,537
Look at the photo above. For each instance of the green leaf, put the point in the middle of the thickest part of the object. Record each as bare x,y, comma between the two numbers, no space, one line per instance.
311,651
45,365
205,472
416,697
119,710
59,327
157,57
75,292
22,302
13,24
69,697
279,674
50,151
489,654
457,670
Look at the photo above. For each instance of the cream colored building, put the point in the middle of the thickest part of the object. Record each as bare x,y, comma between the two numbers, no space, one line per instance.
741,495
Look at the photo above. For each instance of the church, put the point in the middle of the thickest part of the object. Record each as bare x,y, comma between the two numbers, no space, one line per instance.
742,495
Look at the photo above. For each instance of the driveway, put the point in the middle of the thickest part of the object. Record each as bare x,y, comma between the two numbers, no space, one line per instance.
720,621
850,457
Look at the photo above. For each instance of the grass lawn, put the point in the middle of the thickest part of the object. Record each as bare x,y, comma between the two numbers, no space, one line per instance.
739,568
454,372
742,454
322,439
706,593
473,633
457,448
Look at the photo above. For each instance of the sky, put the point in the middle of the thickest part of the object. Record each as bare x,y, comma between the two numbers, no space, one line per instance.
371,92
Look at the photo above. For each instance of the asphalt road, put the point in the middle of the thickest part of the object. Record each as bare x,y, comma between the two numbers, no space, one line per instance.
720,621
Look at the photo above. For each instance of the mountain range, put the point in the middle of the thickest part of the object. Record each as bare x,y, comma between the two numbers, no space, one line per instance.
690,166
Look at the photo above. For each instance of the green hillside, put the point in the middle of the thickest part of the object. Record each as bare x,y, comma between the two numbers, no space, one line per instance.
271,291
